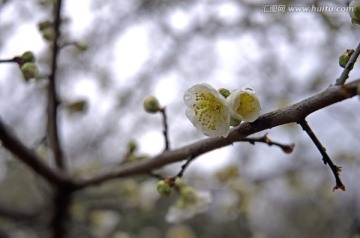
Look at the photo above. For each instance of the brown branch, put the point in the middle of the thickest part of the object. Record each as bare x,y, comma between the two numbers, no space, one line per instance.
27,156
15,214
290,114
265,139
53,134
327,160
165,129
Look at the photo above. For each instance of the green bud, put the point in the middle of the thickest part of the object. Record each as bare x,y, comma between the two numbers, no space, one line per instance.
44,25
355,11
151,104
134,158
48,34
131,146
28,56
224,92
179,183
163,188
29,70
234,122
77,106
188,194
345,57
82,46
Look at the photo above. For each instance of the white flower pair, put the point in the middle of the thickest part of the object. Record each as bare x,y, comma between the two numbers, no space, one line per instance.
211,113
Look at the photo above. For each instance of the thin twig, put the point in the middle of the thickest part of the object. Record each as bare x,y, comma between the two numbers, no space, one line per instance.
265,139
335,169
13,60
290,114
53,133
184,167
349,66
165,129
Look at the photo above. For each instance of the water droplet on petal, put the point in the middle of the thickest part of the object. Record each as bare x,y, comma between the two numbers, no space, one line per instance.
187,97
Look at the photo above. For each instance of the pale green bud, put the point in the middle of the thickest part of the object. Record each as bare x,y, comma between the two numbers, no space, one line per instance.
355,12
29,70
224,92
82,46
28,56
151,104
163,188
234,122
44,25
131,146
48,34
77,106
345,57
179,183
188,194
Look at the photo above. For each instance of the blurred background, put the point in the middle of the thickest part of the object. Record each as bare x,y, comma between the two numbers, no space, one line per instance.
159,47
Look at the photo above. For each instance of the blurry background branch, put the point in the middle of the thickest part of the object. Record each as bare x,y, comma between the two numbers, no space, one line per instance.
27,156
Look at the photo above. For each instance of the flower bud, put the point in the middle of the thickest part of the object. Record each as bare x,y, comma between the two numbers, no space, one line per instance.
29,70
28,56
355,11
163,188
345,57
188,194
48,34
77,106
131,146
224,92
44,25
234,122
82,46
151,104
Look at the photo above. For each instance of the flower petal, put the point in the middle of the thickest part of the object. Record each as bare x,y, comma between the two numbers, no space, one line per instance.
207,110
245,104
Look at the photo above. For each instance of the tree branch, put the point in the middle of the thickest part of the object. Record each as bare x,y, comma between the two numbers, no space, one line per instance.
15,214
27,156
290,114
53,135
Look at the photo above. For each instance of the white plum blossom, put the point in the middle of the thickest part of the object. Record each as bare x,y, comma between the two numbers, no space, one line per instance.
185,208
208,110
245,104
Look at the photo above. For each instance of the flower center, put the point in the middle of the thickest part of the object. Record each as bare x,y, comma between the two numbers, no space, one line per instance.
208,110
246,106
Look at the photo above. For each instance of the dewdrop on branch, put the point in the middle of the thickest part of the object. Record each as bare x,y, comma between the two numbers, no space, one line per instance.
245,104
151,104
207,110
